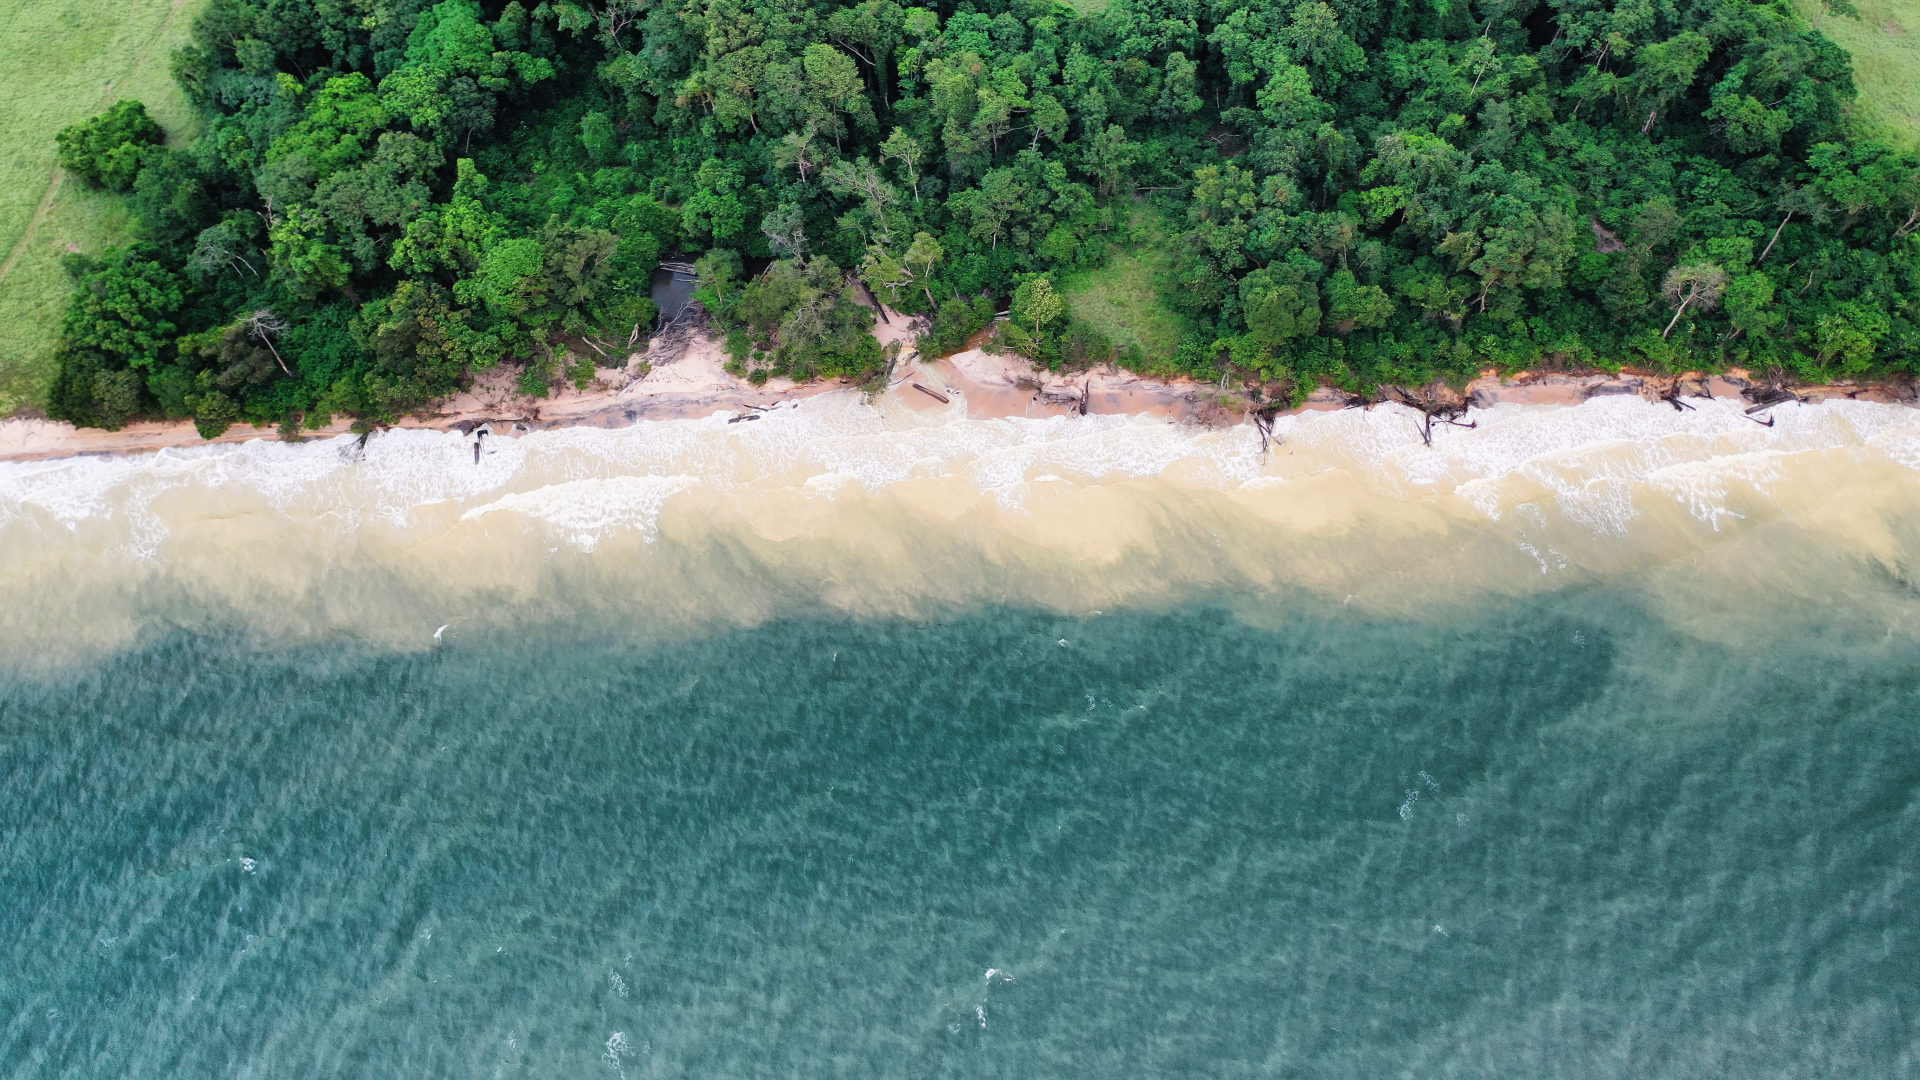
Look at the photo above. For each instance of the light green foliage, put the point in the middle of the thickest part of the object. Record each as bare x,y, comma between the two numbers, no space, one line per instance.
716,273
338,129
65,63
1315,38
1036,311
1125,300
1282,305
1111,157
1844,339
900,281
1884,41
717,208
1351,305
511,278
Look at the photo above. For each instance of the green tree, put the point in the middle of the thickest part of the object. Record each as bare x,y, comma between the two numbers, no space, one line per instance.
1697,285
1316,41
107,150
1846,338
1281,305
715,273
1036,305
1111,157
717,208
1351,305
1750,305
127,308
1179,89
599,137
1665,70
860,178
903,148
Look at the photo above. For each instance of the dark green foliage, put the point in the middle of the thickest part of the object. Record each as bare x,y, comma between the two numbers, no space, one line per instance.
1352,191
106,150
125,308
959,320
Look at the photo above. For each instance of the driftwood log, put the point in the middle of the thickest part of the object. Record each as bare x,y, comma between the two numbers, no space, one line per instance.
1433,410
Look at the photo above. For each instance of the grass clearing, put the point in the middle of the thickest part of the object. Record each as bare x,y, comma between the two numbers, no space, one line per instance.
1122,299
66,61
1885,43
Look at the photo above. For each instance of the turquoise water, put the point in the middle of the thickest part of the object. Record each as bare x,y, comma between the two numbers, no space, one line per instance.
1549,837
864,742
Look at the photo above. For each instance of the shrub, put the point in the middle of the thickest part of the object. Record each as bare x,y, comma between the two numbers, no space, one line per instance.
106,151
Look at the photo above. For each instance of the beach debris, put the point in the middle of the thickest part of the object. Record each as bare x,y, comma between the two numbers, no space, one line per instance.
931,392
483,425
358,450
1263,423
1671,395
1766,397
1433,410
743,416
1772,392
1612,387
442,630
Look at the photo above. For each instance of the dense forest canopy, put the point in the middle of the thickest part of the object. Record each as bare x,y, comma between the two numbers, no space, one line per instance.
389,195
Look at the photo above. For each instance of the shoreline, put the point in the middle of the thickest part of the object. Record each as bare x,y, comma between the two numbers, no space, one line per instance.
686,379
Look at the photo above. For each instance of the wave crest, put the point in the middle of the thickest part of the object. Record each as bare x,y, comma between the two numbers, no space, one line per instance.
885,509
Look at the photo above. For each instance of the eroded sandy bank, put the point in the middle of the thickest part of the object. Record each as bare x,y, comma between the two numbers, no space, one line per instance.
688,379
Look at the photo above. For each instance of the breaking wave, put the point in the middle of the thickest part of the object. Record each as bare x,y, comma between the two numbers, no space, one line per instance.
885,510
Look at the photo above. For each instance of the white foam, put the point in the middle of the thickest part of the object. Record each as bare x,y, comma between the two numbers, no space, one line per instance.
1597,462
583,511
1601,466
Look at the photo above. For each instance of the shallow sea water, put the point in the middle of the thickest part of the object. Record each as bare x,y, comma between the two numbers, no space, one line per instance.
1586,744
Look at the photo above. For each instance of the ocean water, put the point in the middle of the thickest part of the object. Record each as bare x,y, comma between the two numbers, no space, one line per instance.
859,743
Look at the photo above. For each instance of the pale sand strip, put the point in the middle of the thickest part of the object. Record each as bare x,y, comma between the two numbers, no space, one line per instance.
695,383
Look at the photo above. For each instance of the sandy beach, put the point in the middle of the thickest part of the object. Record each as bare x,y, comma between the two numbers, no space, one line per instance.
686,377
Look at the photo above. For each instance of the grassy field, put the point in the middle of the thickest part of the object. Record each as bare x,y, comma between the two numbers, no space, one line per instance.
1885,43
1122,299
65,61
